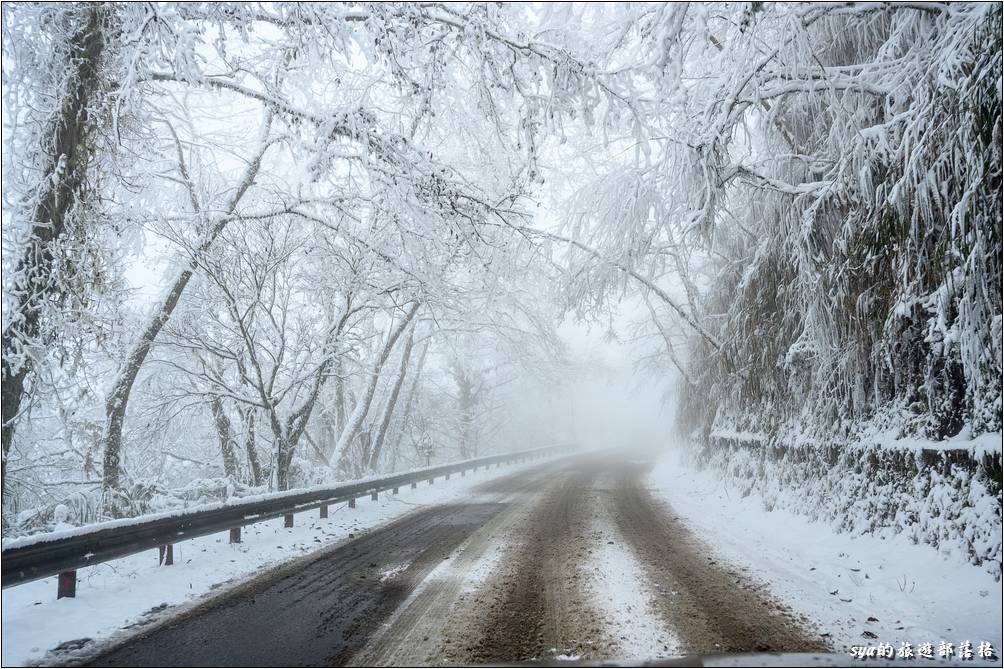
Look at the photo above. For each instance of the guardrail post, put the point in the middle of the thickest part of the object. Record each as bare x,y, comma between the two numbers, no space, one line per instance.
287,520
374,496
235,535
67,584
352,503
324,511
165,555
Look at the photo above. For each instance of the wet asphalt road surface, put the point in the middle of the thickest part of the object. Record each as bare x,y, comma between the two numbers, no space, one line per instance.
496,579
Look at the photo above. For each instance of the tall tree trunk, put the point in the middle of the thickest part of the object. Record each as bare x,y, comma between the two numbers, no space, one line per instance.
225,434
57,195
118,398
365,445
412,392
388,410
355,423
283,461
288,436
249,446
339,399
465,402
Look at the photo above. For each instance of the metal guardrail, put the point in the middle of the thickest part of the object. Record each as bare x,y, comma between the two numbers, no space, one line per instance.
64,555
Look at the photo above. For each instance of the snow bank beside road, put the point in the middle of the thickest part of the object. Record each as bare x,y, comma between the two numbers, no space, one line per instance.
946,496
853,586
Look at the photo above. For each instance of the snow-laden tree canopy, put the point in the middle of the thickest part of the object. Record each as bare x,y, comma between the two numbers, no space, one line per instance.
272,244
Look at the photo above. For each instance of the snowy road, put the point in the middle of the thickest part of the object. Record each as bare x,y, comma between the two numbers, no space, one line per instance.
553,565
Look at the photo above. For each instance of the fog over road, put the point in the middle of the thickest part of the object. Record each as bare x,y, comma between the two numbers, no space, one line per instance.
500,578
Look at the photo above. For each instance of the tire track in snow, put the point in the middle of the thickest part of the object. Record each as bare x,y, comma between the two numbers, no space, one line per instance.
319,610
621,589
534,607
712,608
424,629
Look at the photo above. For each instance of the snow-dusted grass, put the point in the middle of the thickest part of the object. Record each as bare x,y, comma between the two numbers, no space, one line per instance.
850,584
134,589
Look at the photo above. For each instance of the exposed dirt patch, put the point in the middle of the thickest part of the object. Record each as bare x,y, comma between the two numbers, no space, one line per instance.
711,607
